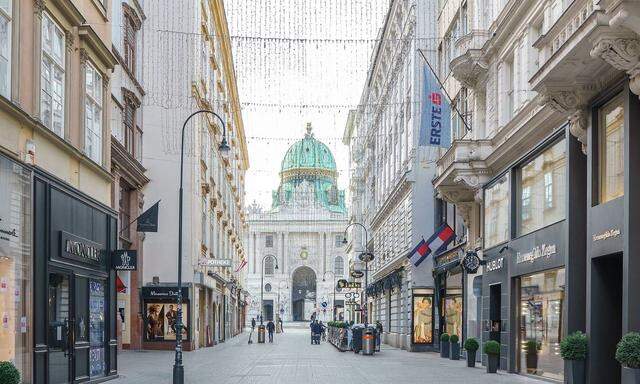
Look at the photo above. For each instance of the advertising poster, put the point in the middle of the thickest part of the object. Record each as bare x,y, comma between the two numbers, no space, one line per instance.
161,321
423,319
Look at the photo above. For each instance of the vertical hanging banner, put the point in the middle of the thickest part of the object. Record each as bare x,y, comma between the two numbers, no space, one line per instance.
435,122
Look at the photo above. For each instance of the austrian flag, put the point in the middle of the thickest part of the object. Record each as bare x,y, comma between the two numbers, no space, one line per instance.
437,243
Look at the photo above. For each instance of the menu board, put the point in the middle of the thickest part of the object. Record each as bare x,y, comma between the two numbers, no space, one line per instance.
96,328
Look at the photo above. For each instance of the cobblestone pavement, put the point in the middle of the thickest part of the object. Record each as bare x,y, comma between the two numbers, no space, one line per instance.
292,359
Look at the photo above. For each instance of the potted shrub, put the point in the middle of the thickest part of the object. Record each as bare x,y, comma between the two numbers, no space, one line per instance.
573,350
9,374
628,354
471,346
454,347
444,345
531,348
492,349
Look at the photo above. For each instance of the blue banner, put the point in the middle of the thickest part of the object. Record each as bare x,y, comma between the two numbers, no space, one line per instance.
435,123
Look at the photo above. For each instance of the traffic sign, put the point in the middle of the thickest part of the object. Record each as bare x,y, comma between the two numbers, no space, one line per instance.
324,304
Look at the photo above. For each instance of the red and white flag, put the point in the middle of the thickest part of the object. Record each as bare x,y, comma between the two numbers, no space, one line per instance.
243,263
437,243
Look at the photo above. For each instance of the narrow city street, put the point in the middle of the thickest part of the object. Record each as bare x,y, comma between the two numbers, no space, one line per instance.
292,359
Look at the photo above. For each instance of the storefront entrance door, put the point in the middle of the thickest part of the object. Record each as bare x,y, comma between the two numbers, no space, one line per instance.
61,319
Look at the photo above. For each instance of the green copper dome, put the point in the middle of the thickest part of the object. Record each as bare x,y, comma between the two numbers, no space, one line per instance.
308,177
307,155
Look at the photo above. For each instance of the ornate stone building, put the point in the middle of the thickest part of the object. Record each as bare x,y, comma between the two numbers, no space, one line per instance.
296,245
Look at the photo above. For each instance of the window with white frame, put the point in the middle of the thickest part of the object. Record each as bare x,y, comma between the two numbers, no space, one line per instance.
5,47
93,114
53,75
338,266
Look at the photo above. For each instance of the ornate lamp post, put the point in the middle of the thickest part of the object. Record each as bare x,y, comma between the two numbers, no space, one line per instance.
334,292
262,284
178,368
365,257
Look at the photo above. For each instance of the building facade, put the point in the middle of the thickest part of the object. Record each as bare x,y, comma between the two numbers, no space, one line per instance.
129,179
296,251
199,74
57,230
392,192
544,177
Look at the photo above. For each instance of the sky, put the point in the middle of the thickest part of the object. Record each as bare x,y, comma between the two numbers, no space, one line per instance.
298,61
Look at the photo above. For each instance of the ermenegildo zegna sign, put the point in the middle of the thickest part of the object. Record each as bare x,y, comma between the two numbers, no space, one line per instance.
79,249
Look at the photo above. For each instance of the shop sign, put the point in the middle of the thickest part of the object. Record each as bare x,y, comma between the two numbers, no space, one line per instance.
494,265
164,293
538,252
609,234
7,233
223,263
76,248
348,284
471,262
446,258
124,260
357,274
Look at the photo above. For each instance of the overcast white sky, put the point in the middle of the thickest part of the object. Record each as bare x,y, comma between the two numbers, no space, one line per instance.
298,61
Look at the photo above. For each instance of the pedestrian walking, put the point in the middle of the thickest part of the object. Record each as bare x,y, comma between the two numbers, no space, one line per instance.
378,334
271,327
281,327
323,331
253,324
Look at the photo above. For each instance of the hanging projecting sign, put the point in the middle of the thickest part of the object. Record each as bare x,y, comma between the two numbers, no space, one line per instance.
124,260
357,274
471,262
348,284
224,263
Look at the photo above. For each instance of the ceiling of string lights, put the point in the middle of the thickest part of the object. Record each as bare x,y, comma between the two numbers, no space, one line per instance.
299,61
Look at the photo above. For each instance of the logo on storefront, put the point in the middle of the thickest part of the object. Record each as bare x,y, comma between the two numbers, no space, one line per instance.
80,249
342,284
124,260
494,265
538,252
609,234
471,262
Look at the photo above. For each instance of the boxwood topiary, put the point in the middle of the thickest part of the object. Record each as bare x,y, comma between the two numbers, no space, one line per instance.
471,344
574,346
628,350
531,347
454,339
444,337
9,374
492,347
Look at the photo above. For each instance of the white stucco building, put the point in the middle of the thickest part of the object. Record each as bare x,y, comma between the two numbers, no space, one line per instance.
299,238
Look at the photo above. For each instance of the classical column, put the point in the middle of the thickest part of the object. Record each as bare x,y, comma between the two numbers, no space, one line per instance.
38,8
68,81
285,241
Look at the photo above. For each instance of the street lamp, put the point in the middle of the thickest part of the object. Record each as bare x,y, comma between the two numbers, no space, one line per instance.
366,257
262,284
178,368
334,291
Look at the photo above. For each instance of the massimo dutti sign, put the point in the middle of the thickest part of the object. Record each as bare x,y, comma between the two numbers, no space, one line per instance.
80,249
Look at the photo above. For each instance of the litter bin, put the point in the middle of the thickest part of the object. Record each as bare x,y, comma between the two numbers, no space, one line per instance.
369,341
356,339
261,334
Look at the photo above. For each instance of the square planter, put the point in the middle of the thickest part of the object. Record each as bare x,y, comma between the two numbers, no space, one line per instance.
444,349
631,373
574,371
471,359
454,351
493,361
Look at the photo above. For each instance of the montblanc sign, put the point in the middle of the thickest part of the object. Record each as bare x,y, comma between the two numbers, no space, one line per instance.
80,249
538,252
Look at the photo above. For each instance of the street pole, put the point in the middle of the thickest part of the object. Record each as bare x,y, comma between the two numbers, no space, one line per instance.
178,368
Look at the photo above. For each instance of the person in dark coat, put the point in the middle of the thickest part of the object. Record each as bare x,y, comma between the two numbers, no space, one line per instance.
271,327
253,324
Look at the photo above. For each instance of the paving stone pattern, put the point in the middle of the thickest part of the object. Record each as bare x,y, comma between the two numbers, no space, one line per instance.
292,359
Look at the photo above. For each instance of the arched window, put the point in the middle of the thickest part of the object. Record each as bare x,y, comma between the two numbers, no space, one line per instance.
338,266
267,287
268,265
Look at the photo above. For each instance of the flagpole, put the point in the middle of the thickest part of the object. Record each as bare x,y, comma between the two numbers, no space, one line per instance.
464,121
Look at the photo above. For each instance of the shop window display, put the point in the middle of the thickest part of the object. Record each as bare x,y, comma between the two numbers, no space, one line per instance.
541,301
161,321
611,140
422,319
496,212
96,328
15,267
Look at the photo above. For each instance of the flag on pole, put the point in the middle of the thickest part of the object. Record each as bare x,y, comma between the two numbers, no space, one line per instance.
243,263
148,221
437,243
120,287
435,122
